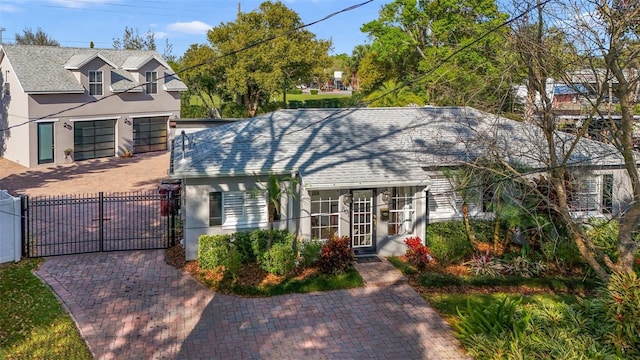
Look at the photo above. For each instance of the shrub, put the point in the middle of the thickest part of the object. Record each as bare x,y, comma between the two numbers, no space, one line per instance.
499,319
564,252
309,252
313,91
279,259
216,251
234,110
614,315
604,234
484,265
294,91
242,241
336,255
521,266
448,241
417,254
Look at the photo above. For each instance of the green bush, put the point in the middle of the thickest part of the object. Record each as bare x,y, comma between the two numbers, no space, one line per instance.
217,250
310,252
604,234
242,241
562,251
279,259
260,239
234,110
313,91
294,91
193,112
499,319
448,241
615,315
295,104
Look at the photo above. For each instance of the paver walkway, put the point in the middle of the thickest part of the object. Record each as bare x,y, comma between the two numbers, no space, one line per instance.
131,305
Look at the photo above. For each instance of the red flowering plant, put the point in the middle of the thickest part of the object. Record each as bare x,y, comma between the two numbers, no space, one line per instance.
417,253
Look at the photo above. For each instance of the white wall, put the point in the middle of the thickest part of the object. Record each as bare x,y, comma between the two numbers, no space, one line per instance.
10,228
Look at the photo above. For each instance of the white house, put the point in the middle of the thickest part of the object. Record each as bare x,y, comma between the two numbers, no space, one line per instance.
373,174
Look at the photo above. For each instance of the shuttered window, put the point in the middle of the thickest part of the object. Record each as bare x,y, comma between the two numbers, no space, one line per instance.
244,209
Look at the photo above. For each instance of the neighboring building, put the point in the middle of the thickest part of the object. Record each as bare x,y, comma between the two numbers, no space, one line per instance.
375,175
97,102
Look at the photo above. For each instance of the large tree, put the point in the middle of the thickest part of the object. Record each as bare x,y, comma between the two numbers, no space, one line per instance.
132,40
265,52
605,40
28,37
414,37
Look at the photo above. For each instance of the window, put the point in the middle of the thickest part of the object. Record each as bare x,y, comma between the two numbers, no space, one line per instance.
237,209
607,193
215,208
592,194
151,82
325,214
442,197
95,82
402,211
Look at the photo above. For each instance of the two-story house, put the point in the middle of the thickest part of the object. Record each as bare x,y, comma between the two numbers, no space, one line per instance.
63,104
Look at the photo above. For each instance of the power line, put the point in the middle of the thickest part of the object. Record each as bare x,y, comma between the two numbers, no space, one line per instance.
248,47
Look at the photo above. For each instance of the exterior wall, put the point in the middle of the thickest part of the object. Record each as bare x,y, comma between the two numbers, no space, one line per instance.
13,112
195,209
67,109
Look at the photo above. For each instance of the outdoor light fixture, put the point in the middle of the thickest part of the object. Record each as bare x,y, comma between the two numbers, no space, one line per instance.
346,198
67,126
127,121
385,196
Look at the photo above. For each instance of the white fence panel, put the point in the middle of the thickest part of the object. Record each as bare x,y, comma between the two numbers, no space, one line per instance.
10,228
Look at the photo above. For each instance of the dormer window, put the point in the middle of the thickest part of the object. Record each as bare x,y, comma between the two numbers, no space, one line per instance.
95,82
151,82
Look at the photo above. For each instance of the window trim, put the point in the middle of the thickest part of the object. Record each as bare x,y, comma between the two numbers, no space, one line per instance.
98,83
151,82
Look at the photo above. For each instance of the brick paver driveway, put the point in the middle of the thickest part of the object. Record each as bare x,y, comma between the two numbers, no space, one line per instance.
131,305
139,173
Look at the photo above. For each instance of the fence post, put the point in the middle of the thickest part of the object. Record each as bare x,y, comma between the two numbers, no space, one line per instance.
24,225
101,219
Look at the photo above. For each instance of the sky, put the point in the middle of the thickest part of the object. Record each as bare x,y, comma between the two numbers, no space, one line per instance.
75,23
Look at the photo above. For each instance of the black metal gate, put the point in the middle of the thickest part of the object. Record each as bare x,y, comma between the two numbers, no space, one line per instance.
74,224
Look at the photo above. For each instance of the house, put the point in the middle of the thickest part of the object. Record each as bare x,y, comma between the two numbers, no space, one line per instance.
373,174
94,102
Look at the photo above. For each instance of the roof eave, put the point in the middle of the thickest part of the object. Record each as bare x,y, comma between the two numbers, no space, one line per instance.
53,92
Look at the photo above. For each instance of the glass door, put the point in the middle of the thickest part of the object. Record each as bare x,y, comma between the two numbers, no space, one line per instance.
362,219
45,143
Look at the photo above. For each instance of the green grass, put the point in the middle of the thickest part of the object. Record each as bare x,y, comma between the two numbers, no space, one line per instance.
405,268
33,324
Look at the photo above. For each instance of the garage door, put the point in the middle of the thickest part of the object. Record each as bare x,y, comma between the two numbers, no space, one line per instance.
94,139
149,134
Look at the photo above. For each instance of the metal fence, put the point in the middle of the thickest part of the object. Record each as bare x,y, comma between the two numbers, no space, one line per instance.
60,225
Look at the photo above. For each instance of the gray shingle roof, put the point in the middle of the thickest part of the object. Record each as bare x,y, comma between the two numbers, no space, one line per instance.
333,147
41,69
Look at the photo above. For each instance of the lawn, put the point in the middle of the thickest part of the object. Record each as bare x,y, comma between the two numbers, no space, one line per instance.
194,100
33,324
543,317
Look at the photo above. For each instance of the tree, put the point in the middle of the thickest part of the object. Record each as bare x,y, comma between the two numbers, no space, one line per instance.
392,93
265,54
413,37
28,37
204,78
132,40
541,43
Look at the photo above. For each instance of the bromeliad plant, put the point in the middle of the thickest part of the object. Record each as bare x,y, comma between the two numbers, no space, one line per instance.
417,253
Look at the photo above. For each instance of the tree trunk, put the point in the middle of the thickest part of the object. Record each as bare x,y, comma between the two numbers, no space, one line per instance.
467,225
